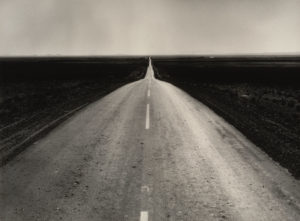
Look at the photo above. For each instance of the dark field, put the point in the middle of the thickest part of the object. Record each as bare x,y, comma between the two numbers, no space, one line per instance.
38,93
258,95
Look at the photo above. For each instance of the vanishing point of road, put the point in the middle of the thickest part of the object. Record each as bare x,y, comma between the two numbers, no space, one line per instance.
147,151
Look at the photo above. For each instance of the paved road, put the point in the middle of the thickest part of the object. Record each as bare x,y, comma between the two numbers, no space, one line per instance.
147,151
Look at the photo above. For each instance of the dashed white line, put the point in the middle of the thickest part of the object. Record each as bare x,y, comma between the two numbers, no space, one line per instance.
148,92
144,216
145,189
147,117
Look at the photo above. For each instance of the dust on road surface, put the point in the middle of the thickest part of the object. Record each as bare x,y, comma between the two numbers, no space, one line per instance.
147,151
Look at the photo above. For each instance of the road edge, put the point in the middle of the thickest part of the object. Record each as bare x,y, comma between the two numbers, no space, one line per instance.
9,153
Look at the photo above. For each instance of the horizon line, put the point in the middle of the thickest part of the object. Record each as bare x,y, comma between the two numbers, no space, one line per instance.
294,54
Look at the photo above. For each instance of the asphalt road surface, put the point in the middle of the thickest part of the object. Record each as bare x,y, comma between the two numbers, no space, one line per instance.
147,151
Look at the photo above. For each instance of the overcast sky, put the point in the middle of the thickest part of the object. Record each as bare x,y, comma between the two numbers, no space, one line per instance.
109,27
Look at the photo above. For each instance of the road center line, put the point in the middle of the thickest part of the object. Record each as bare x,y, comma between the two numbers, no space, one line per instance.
148,92
144,216
147,118
145,189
